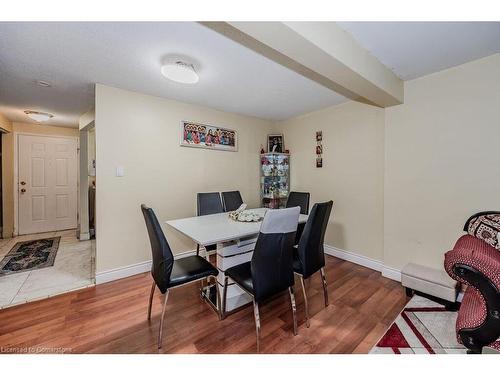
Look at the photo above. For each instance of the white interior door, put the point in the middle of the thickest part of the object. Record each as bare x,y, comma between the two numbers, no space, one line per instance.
47,183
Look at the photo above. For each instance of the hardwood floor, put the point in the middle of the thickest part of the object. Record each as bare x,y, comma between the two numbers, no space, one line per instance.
111,318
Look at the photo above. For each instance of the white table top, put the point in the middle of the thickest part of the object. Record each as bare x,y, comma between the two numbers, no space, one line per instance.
211,229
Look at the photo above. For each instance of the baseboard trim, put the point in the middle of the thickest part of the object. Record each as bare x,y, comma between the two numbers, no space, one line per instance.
391,273
377,265
133,269
354,258
83,236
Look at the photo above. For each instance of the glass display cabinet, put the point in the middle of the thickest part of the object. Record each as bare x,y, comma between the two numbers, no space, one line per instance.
274,179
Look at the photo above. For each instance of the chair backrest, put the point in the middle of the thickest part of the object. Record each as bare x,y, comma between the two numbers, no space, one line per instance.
231,200
163,259
310,248
209,203
272,260
296,198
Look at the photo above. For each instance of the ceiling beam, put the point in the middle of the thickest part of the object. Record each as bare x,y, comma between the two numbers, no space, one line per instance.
322,52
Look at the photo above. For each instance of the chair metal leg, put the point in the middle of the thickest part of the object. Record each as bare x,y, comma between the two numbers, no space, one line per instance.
197,249
218,297
294,310
153,287
202,288
224,299
162,319
306,304
257,323
325,290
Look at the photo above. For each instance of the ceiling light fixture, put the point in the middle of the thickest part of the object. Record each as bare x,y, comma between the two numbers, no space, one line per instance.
180,71
39,116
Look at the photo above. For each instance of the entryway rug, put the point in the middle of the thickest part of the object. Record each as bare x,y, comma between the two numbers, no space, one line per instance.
30,255
422,327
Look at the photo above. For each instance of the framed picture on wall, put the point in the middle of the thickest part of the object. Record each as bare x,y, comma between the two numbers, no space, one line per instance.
194,134
275,143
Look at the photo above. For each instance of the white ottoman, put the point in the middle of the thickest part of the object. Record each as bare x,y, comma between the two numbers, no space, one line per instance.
429,281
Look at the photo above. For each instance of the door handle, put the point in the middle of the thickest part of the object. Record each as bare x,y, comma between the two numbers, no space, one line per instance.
23,183
23,191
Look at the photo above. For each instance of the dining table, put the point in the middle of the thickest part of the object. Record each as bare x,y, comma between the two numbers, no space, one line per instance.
235,242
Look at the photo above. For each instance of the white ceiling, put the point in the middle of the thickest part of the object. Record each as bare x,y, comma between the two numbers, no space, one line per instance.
415,49
74,56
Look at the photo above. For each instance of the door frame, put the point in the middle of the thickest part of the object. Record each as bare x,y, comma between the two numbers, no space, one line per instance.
16,172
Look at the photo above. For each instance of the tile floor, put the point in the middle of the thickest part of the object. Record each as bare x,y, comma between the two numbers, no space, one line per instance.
73,269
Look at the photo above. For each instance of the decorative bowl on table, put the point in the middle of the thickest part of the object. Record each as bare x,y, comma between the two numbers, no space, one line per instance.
243,215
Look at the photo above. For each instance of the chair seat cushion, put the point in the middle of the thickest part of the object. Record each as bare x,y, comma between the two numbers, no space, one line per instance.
472,311
242,275
190,269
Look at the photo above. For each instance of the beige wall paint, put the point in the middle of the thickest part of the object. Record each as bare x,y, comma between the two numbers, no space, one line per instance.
403,180
142,134
352,174
5,123
8,165
7,185
7,178
442,161
86,119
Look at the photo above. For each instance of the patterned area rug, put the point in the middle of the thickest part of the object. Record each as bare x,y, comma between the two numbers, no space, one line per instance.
29,255
423,327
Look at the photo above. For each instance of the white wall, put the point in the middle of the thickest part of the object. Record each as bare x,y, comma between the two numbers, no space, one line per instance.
142,133
442,160
352,174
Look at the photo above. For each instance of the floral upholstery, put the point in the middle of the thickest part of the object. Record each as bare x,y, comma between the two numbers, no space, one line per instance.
486,228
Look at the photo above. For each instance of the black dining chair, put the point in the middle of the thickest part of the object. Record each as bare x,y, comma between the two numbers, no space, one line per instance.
168,272
208,204
271,269
301,199
309,255
231,200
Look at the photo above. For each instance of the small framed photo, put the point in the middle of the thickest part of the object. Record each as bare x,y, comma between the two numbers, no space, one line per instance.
319,136
319,149
275,143
319,162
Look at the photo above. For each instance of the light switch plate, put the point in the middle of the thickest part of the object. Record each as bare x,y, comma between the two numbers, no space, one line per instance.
120,171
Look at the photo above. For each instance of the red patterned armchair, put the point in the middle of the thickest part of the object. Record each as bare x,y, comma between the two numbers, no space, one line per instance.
476,263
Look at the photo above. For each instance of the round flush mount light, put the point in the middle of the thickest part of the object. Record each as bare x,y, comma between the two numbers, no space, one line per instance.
39,116
180,71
